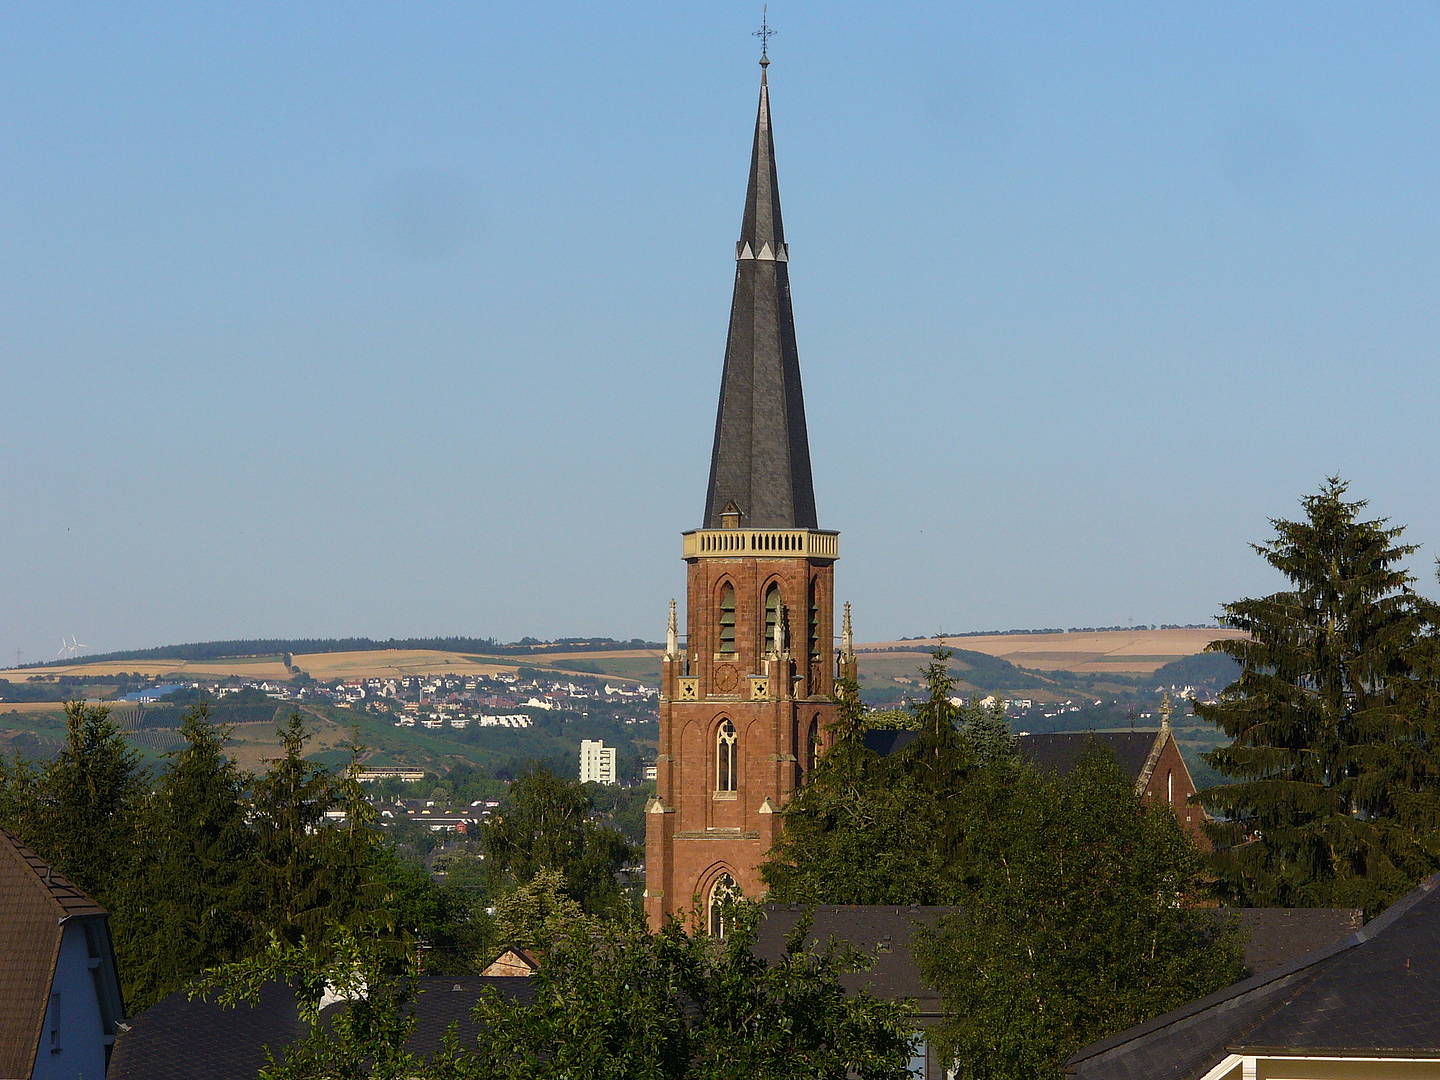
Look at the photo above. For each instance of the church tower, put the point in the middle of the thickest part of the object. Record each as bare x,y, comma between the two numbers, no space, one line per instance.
745,704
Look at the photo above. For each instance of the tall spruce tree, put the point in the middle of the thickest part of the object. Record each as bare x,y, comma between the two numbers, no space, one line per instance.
80,810
314,874
191,894
1332,720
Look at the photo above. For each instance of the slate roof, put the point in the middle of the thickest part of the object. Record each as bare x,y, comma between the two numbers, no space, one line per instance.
882,933
1373,993
1058,752
761,456
181,1039
34,903
1279,936
1061,752
886,742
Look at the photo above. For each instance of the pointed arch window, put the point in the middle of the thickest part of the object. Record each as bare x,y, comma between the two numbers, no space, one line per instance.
724,891
773,609
725,759
812,746
727,619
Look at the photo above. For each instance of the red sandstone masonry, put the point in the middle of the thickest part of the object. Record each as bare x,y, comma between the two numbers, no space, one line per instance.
694,833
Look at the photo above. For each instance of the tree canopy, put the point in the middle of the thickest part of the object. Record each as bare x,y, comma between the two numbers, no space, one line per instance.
611,1001
1334,792
1074,900
545,823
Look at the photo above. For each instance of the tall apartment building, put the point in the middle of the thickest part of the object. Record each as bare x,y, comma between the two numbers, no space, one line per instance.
597,762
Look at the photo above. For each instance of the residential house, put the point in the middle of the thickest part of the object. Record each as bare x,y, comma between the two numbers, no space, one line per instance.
60,1001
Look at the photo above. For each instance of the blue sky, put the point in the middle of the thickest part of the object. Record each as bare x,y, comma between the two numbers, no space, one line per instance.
386,319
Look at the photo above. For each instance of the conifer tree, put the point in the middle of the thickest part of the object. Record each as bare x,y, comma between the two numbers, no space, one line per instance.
313,874
79,811
196,883
1332,719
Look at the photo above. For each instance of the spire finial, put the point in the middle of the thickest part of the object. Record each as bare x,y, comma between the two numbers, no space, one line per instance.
1165,709
765,33
847,636
672,635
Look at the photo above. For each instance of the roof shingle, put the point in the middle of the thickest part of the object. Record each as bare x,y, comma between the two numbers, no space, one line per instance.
34,903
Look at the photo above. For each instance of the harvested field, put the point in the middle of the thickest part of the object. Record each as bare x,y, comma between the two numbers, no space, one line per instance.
1116,651
389,663
257,667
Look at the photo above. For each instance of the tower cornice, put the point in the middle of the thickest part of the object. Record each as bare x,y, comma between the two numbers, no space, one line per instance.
760,543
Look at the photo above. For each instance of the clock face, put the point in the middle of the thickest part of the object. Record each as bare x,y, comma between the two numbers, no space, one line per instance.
726,678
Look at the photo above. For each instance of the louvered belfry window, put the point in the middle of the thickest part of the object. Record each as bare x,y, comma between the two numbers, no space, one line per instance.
772,615
727,619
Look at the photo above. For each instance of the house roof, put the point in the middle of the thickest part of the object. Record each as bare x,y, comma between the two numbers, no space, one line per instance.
1372,993
35,902
1279,936
883,934
184,1039
1061,751
886,741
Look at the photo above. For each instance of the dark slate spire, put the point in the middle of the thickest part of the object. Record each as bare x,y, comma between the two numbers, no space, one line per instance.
761,459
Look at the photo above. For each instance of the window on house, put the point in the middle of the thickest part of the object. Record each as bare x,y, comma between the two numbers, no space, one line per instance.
773,608
727,618
722,892
918,1054
725,777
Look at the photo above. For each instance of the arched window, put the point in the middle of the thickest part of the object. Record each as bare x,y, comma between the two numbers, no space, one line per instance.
812,746
814,627
722,892
1170,786
727,618
773,608
725,757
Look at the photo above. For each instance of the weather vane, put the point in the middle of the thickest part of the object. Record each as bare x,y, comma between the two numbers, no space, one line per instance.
765,33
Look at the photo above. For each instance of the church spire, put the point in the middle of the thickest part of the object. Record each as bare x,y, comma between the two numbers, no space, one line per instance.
761,457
